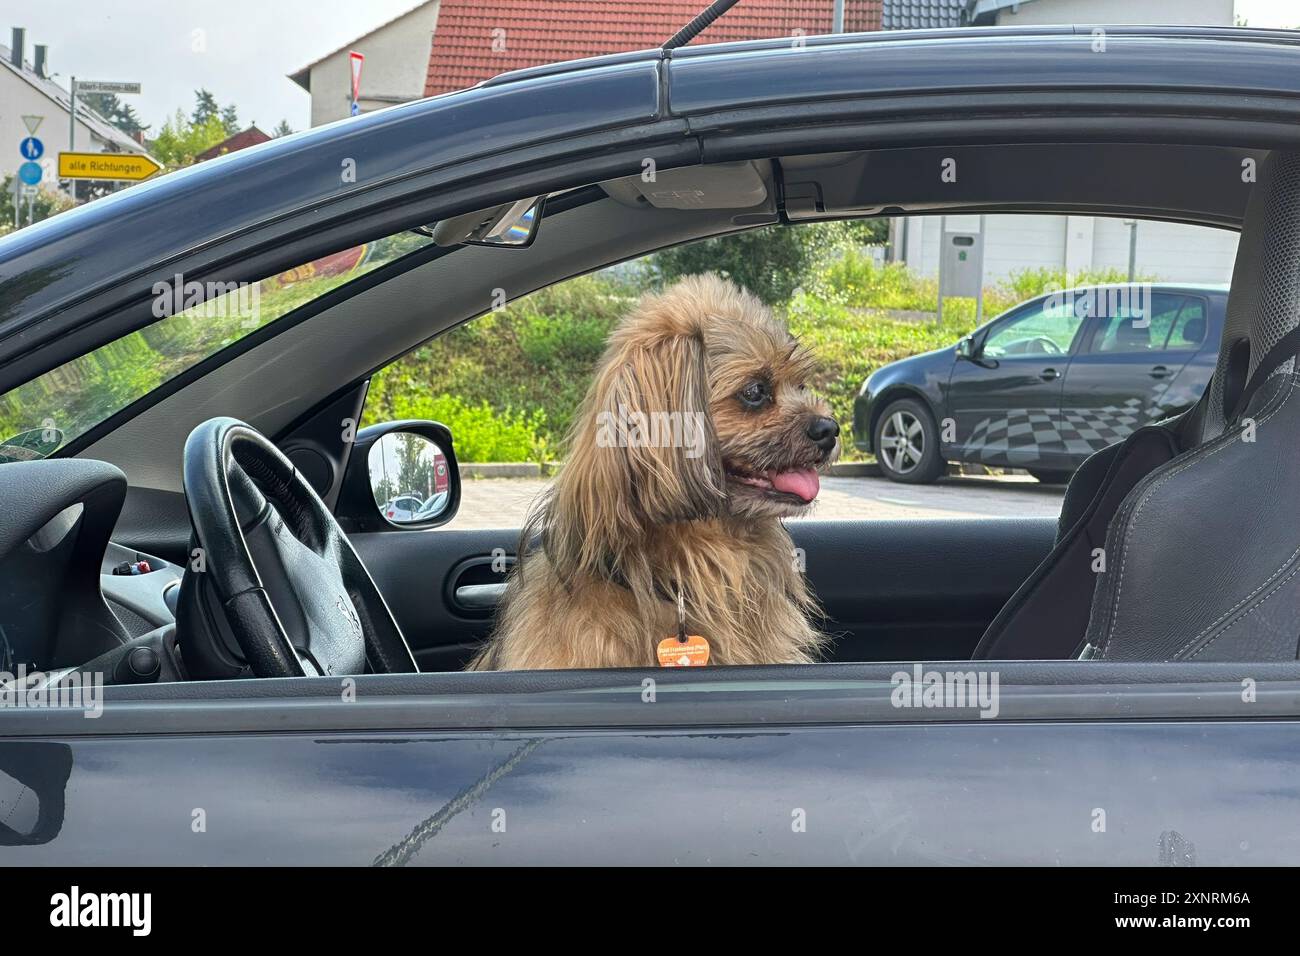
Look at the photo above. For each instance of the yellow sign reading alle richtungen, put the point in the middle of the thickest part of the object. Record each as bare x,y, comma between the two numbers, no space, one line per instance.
131,167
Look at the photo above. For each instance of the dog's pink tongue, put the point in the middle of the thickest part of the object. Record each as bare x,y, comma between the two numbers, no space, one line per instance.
804,483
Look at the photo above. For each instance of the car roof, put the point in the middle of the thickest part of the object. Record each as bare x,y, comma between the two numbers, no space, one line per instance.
1221,288
944,34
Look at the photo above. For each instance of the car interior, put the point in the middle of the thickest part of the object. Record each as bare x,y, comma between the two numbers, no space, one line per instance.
223,525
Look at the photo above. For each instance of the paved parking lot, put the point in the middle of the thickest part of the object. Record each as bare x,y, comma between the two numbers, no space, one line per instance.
503,502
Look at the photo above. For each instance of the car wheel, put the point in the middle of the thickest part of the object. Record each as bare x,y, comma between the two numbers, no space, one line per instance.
907,443
1051,477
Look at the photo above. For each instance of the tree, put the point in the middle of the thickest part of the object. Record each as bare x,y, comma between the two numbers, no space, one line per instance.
284,129
46,203
770,262
205,108
230,120
414,466
181,140
122,115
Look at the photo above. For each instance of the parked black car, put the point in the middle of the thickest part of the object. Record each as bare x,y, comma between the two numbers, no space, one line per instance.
1046,383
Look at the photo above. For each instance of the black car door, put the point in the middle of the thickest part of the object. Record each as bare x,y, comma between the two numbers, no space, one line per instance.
923,599
1005,401
1127,364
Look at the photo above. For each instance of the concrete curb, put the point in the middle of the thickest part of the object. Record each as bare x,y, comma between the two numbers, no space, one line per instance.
500,469
854,469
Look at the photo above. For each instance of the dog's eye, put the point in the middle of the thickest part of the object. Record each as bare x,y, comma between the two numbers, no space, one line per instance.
755,394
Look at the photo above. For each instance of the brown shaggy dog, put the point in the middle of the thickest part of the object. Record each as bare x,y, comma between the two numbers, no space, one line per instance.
697,436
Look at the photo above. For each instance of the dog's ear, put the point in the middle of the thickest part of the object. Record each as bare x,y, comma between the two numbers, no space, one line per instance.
657,403
643,450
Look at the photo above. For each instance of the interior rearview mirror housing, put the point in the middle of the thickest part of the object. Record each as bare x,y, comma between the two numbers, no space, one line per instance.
510,226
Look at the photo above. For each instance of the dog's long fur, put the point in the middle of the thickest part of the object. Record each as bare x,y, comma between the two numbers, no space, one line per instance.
624,527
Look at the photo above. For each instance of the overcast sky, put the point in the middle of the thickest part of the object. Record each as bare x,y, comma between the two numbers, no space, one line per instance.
250,46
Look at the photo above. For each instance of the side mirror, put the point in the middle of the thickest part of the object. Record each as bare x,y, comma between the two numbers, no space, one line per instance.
31,445
401,475
965,348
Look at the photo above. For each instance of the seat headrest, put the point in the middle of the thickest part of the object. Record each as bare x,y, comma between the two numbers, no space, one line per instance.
1264,303
1132,338
1194,331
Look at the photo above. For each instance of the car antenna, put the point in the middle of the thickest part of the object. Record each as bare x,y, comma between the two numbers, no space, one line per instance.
693,29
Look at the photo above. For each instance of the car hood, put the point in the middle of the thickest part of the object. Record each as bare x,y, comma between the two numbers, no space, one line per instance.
913,363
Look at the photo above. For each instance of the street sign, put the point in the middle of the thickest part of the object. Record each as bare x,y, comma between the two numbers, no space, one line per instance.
355,61
128,167
30,173
33,123
106,86
31,148
31,192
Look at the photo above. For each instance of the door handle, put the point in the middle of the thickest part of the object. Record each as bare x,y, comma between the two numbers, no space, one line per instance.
475,586
480,597
1159,371
1049,374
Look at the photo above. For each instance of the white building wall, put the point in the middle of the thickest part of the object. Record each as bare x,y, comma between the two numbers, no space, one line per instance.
397,63
1168,252
1013,243
1172,12
18,98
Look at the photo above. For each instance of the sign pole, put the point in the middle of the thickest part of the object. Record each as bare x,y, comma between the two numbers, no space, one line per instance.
72,118
943,238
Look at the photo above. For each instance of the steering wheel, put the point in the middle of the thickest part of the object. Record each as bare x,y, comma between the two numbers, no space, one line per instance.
1046,345
275,588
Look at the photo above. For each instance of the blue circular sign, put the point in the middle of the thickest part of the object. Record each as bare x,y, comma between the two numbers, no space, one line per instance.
30,173
31,148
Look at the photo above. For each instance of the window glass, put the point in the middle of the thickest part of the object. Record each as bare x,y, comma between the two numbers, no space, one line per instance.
1188,330
195,321
1127,328
1047,328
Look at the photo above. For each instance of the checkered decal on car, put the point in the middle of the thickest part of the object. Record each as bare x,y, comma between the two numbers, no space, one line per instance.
1017,437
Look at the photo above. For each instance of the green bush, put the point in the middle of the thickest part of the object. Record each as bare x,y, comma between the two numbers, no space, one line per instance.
1028,283
538,353
771,262
481,434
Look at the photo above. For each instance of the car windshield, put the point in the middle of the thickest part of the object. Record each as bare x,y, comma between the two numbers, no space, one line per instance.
195,321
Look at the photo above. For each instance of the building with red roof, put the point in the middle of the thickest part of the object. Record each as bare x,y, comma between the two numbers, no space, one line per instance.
232,144
476,40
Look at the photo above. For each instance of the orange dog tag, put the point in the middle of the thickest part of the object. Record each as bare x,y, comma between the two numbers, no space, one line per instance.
692,652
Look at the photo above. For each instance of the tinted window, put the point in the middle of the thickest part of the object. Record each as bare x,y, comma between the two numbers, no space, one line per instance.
1188,329
1127,328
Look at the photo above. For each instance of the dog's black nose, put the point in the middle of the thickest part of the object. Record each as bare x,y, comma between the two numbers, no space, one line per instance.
823,432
